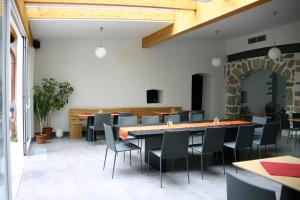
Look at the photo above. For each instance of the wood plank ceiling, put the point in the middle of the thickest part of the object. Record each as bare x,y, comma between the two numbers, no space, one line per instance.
184,15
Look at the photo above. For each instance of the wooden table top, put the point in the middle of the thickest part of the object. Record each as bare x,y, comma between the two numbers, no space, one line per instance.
84,115
255,167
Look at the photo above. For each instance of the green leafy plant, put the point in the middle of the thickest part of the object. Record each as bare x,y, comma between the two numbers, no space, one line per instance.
49,97
42,105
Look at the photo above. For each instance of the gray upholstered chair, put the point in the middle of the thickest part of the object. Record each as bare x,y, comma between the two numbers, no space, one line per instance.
184,116
268,137
244,139
122,114
259,120
174,146
213,142
99,120
150,120
196,117
127,121
238,189
173,118
118,147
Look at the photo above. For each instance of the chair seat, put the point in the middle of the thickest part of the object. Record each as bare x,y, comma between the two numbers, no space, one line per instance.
230,144
256,141
126,146
197,147
156,152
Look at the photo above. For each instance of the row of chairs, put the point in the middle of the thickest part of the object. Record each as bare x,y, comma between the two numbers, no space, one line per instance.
175,144
127,119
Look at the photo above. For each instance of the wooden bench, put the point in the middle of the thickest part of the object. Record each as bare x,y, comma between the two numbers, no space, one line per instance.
77,122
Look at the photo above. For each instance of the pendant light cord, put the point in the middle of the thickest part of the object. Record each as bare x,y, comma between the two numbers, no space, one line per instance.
274,15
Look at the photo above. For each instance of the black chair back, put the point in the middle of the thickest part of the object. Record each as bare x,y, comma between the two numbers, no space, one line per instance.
148,120
174,145
109,137
269,134
213,139
184,116
244,137
100,119
197,117
284,121
124,121
173,118
240,190
296,116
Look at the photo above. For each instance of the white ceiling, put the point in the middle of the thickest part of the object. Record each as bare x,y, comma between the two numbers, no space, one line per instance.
64,29
248,22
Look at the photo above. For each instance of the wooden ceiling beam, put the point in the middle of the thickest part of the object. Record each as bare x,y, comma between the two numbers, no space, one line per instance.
24,18
79,13
207,13
169,4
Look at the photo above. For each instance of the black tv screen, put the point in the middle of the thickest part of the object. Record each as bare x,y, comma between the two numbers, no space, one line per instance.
152,96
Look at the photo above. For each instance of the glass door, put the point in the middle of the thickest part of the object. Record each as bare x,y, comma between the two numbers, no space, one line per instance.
4,99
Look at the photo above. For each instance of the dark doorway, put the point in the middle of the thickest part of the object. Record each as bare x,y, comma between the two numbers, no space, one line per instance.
197,91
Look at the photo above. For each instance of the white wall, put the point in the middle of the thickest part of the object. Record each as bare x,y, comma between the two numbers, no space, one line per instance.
286,34
123,76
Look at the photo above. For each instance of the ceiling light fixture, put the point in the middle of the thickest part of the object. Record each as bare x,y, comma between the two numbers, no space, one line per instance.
216,61
100,51
274,53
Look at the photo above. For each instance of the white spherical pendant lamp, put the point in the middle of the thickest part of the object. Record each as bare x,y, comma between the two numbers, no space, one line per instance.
274,53
100,52
216,62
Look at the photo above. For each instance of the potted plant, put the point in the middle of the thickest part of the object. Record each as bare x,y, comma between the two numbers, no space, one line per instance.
41,109
61,98
50,87
58,94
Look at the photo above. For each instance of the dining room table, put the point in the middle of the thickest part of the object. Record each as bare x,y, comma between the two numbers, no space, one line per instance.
284,170
153,134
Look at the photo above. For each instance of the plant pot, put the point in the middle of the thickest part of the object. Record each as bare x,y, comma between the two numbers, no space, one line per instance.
59,133
40,138
48,132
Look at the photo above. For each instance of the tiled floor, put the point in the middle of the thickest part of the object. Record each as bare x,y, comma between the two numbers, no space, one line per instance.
66,169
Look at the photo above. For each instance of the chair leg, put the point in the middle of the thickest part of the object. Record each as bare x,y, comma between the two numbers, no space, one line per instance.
223,162
141,161
265,149
160,173
192,143
112,176
130,157
187,168
105,158
148,163
124,156
234,152
202,165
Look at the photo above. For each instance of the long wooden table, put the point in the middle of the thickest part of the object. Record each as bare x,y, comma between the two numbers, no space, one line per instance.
255,167
153,134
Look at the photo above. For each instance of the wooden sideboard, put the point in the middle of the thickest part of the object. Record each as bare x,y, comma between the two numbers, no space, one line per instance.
77,122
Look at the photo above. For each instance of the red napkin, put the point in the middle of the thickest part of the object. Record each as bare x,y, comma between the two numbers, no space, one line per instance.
86,113
281,169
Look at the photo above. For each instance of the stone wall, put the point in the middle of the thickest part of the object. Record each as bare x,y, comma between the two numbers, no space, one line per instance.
288,66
